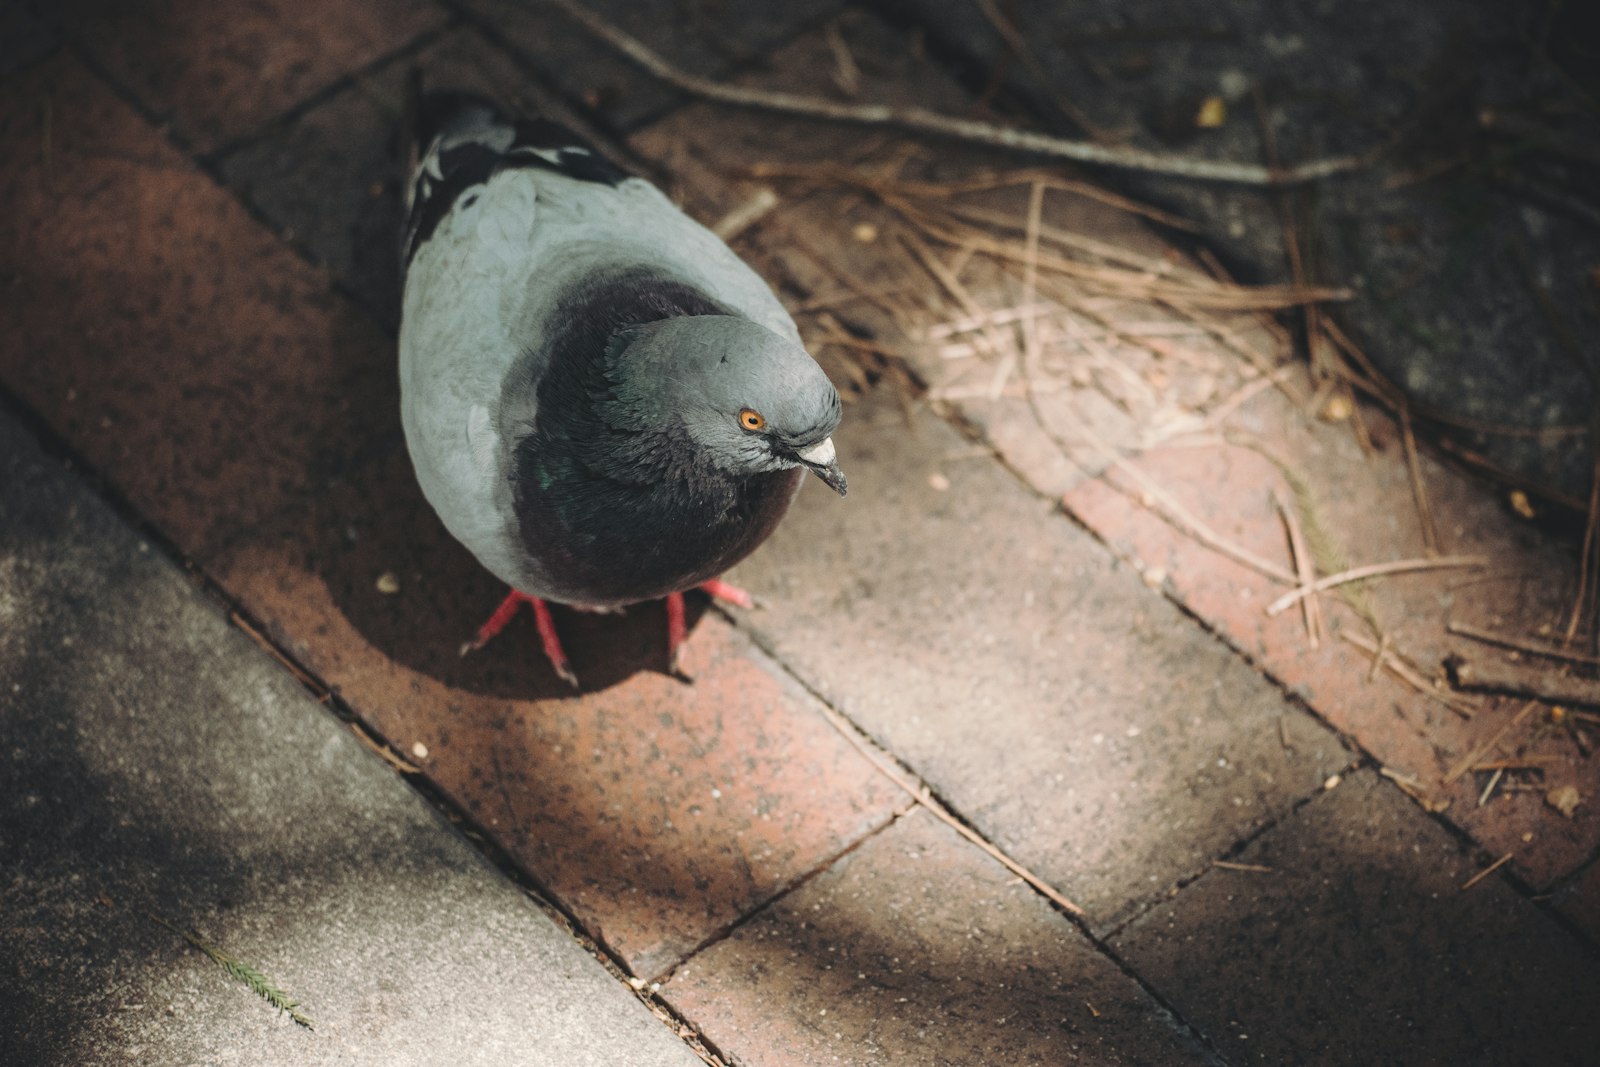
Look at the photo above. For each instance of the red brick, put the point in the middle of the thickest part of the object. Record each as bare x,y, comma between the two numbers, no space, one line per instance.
252,417
1367,504
219,71
918,949
1359,946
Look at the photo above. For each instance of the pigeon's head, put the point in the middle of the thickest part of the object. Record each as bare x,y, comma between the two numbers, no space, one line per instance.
752,401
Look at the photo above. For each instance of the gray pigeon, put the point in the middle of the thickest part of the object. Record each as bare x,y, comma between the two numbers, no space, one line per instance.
601,400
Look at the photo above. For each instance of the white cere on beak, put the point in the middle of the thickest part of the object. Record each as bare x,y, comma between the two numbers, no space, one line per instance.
820,454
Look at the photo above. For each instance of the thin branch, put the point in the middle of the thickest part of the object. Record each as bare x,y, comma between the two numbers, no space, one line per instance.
1374,570
1419,489
1474,757
1309,606
925,121
1176,514
1395,664
1030,280
985,181
1461,629
1486,872
1545,685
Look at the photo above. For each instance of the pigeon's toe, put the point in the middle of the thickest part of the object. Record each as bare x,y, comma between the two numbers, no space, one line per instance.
549,640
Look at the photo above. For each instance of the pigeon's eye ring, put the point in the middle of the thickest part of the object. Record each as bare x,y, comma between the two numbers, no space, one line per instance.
751,419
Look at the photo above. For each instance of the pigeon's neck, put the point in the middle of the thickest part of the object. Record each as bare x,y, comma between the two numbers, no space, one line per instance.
558,405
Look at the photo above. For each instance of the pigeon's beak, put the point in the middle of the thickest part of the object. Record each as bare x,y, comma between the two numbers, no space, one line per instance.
822,461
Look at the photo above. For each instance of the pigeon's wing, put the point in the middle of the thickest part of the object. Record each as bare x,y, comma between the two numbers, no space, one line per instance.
471,257
506,219
460,141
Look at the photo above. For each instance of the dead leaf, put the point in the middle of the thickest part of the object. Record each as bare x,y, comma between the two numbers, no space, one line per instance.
1213,113
1564,798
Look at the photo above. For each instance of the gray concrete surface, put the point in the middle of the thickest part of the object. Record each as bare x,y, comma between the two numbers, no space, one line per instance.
1346,938
156,762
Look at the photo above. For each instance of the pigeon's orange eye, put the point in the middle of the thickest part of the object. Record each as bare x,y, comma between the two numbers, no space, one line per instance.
751,420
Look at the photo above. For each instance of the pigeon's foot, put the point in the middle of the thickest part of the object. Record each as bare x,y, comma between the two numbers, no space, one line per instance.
677,628
721,590
546,626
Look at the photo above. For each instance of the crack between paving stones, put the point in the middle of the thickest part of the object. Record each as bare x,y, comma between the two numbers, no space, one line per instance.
1079,921
315,99
791,887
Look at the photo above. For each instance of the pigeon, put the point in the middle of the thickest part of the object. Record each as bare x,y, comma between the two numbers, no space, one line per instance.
601,400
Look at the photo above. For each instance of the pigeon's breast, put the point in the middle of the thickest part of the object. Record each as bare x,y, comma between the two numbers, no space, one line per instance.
609,545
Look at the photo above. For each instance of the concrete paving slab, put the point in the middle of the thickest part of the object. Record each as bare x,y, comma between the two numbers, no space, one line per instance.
917,948
218,73
264,439
1360,946
159,763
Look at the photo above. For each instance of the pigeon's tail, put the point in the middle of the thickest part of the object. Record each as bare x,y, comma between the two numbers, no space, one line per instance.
461,140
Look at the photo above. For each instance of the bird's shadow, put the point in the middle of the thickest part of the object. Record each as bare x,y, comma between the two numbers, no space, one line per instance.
418,596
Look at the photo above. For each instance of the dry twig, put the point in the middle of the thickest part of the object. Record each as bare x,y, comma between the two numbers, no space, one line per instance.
925,121
1461,629
1545,685
1374,570
1408,674
1310,608
1181,517
1486,872
1474,757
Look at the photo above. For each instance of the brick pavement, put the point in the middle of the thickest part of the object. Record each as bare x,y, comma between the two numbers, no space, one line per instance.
241,399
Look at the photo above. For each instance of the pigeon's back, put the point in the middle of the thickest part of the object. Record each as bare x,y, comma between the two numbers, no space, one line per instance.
516,231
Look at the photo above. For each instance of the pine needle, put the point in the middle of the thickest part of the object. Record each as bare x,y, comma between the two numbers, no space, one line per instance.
1327,551
240,971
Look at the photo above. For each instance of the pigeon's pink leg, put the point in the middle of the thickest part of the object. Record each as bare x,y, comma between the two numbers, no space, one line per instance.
546,626
677,628
721,590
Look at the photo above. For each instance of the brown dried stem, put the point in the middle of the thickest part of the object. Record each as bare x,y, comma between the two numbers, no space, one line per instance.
1474,757
1545,685
925,121
1374,570
1310,608
1519,644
